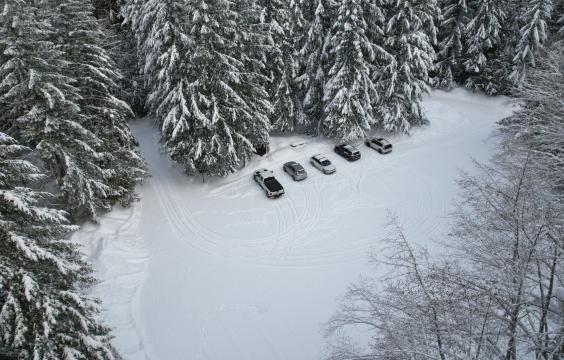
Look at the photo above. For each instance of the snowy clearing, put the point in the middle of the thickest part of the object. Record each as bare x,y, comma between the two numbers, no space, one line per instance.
218,271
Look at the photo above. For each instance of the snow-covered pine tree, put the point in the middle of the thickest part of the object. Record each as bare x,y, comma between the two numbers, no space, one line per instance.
108,9
41,104
484,62
313,56
280,67
301,13
162,42
82,40
43,312
403,81
349,93
251,51
533,35
451,47
134,29
224,106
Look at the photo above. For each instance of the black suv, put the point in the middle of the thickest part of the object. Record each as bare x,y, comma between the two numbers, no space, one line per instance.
347,151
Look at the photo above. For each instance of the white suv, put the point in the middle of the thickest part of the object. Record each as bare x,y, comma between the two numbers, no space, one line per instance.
321,163
381,145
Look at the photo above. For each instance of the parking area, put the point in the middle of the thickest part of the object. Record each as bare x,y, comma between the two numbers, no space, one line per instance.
265,178
220,271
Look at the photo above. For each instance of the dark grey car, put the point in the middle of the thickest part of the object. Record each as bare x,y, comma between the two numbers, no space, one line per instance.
295,170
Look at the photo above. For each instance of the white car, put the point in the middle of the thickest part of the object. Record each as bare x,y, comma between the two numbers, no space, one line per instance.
321,163
381,145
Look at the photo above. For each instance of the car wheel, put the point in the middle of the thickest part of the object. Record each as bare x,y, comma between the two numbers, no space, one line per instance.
380,151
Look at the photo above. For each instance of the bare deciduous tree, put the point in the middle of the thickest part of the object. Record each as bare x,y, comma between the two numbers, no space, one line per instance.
495,293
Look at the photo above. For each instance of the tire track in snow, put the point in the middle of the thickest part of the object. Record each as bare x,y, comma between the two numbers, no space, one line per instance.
120,259
278,244
309,215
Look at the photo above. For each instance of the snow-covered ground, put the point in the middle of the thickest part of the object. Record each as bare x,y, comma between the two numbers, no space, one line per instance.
217,271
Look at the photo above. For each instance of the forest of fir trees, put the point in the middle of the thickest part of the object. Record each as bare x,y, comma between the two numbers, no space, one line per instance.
219,77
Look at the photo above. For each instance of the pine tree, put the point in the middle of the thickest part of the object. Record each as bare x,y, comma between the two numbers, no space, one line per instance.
313,57
533,35
40,106
280,67
206,86
349,91
134,28
451,47
43,312
225,106
484,62
404,80
82,41
301,13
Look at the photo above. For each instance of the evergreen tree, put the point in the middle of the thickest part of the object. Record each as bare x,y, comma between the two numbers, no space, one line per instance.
108,9
301,13
484,62
349,91
162,44
224,103
313,57
533,35
40,106
451,47
280,65
135,29
43,312
206,87
403,81
82,41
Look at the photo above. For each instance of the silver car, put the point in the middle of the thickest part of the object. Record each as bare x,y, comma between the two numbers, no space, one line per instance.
381,145
295,170
321,163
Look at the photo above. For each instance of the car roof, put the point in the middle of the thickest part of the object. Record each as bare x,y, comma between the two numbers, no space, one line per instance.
383,141
349,147
319,157
294,165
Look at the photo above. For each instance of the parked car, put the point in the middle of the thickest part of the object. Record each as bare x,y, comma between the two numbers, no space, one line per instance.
347,151
295,170
321,163
265,178
381,145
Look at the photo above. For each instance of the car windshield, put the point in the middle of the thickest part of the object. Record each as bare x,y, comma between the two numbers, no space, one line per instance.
326,162
387,146
269,179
